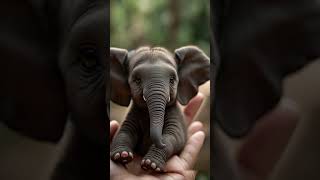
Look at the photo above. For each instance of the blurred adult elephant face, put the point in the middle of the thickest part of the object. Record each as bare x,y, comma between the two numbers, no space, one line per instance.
84,68
253,65
57,68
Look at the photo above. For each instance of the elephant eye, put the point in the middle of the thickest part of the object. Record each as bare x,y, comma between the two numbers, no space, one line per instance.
172,80
137,81
89,58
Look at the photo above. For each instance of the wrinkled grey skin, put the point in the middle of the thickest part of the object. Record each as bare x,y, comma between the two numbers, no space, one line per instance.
279,39
258,44
154,79
53,66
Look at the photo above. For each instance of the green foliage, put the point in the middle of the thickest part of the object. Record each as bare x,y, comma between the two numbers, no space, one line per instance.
202,176
168,23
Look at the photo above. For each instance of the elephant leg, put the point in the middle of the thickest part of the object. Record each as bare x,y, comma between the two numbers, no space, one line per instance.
156,158
122,146
174,138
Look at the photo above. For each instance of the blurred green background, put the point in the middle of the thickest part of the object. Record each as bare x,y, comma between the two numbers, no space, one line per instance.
167,23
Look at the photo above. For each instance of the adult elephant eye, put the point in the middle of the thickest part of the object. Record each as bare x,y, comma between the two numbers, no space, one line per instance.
89,58
172,80
137,81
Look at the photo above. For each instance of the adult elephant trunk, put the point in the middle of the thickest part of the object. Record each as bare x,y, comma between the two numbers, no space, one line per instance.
156,95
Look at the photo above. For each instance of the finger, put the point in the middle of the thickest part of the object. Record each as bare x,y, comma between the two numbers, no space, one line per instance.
192,107
115,169
190,152
114,125
180,175
194,127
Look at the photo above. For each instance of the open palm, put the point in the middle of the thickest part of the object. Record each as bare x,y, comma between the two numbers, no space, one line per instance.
178,166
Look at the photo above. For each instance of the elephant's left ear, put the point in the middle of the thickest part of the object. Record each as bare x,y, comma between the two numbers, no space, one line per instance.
193,70
120,89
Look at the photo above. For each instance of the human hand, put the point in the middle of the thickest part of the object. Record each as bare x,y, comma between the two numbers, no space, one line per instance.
178,166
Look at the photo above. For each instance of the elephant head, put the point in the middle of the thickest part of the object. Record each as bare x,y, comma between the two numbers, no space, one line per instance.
57,68
155,79
83,64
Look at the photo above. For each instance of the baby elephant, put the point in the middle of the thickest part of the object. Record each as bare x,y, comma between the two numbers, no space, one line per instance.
155,79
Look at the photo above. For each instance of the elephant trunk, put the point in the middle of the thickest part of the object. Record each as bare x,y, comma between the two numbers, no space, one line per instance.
156,98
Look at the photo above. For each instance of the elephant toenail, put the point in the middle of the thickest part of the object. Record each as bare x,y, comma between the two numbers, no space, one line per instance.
148,161
124,154
131,155
158,169
153,165
142,162
116,156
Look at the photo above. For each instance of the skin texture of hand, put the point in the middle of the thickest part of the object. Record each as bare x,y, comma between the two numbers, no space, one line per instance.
179,166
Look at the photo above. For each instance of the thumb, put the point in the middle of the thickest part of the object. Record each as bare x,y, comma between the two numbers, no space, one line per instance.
191,151
114,125
192,107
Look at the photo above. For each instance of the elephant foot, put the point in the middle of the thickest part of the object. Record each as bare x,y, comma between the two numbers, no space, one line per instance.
154,160
122,156
148,164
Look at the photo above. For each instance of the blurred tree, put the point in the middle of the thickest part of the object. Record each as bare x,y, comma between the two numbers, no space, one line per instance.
168,23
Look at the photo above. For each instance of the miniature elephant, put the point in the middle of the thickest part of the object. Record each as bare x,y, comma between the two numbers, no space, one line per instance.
155,80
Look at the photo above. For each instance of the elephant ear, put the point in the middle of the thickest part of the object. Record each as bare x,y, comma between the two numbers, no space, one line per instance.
120,90
255,62
193,70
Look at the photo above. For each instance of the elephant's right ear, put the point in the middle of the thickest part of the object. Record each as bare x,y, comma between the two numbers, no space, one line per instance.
120,90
